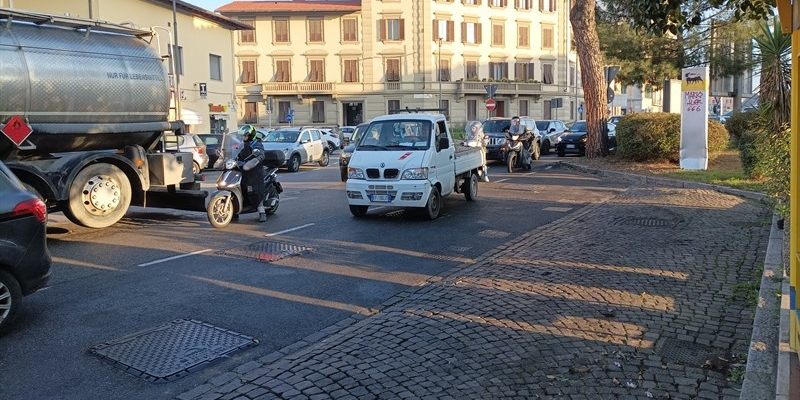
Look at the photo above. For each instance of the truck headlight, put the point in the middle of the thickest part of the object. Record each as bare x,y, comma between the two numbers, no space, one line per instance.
355,173
415,173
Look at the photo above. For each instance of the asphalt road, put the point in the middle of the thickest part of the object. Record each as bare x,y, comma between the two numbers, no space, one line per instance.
157,266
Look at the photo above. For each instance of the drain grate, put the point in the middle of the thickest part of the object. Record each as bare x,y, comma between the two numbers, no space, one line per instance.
689,353
647,222
266,251
171,351
491,233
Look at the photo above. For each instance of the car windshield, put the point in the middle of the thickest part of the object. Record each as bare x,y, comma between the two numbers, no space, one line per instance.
496,126
282,136
578,126
542,125
394,135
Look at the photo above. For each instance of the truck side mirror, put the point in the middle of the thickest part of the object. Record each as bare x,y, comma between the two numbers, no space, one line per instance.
444,143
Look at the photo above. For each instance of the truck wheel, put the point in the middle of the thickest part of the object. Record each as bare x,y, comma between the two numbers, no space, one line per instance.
470,187
220,209
294,163
434,204
512,160
326,159
10,298
359,211
99,196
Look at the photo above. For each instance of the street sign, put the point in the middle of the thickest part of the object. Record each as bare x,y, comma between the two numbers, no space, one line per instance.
491,104
203,90
490,90
289,117
610,73
17,130
610,94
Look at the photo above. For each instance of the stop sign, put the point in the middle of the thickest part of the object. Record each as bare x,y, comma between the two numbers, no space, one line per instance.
491,104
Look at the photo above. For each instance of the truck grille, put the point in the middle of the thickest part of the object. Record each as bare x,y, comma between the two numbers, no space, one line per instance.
389,173
496,141
382,189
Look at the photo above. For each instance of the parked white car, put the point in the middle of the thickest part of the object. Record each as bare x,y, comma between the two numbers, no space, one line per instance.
331,138
551,130
299,146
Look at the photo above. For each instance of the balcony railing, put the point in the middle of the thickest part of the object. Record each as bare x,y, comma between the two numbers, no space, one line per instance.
503,88
298,87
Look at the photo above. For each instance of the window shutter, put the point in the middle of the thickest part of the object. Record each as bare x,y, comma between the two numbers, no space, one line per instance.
451,31
382,30
478,34
435,30
530,71
402,29
505,70
463,32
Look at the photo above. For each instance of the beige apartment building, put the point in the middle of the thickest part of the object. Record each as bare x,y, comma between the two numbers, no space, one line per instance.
343,62
207,70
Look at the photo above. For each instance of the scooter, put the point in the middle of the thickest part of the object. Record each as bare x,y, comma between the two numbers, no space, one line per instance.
518,150
229,200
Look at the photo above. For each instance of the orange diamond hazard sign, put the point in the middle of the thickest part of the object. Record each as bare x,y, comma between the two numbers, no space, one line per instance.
16,129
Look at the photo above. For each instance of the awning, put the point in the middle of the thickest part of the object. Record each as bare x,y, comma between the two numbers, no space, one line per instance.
190,117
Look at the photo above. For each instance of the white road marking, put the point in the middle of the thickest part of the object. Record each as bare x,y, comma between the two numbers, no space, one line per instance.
289,230
174,257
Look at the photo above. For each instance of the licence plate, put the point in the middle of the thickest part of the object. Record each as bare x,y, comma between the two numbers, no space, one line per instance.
570,146
380,197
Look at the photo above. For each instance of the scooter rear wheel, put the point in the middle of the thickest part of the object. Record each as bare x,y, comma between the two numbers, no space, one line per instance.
220,210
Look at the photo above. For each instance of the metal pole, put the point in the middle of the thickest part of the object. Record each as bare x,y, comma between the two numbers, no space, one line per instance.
440,72
175,56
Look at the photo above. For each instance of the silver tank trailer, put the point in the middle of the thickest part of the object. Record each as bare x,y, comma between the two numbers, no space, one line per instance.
81,90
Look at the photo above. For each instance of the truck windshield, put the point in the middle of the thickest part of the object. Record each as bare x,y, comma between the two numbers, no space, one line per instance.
397,134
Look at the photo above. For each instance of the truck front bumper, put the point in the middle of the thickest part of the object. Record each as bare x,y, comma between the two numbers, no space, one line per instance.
388,193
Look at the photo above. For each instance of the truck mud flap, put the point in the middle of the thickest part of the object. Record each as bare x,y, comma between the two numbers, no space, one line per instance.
190,200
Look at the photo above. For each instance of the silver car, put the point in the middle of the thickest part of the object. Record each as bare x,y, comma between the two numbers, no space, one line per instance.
551,130
188,143
299,146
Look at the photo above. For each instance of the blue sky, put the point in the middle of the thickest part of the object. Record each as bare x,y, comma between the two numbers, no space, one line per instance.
210,5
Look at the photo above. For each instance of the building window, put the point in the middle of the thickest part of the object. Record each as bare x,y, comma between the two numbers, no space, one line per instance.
472,110
498,70
349,30
249,71
392,70
392,29
350,71
547,74
215,67
498,35
523,4
524,37
572,75
315,31
443,29
283,111
318,112
523,108
472,70
523,71
497,3
317,73
547,37
444,108
251,112
471,2
248,36
392,106
547,5
444,70
281,33
471,32
282,71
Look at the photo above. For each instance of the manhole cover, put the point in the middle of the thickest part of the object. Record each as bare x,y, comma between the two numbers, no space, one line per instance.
266,251
689,353
171,351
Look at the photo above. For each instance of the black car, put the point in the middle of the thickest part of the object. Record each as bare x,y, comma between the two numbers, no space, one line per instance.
233,143
573,141
24,258
348,150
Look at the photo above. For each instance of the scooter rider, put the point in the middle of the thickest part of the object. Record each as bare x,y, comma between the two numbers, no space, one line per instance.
254,178
525,137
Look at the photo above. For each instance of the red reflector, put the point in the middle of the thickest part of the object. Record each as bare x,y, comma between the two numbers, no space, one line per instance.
199,150
33,207
201,177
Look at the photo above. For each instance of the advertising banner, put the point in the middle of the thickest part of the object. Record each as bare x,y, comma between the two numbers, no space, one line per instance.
694,118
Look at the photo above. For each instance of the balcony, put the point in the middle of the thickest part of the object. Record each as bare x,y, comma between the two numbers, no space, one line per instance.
299,88
503,88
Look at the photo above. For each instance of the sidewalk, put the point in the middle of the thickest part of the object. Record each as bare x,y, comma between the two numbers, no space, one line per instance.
646,300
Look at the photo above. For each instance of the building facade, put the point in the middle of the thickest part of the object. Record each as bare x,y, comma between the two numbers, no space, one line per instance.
344,62
204,86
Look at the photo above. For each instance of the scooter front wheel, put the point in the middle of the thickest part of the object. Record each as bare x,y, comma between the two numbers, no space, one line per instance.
220,209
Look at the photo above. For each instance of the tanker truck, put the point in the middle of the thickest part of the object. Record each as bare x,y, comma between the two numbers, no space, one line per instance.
84,105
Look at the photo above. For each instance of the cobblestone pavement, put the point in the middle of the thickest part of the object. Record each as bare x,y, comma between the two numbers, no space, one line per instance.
644,299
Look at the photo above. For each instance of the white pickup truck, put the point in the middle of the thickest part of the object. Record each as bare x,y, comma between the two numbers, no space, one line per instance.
412,161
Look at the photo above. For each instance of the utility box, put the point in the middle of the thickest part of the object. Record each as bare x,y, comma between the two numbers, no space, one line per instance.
170,168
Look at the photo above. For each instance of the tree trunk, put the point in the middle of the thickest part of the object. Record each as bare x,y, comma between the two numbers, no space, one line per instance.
582,17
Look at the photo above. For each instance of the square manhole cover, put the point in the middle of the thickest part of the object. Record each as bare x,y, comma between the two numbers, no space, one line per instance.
171,351
688,353
266,251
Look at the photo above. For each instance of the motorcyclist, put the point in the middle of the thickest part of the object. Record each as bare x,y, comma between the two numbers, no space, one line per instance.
476,138
525,137
254,189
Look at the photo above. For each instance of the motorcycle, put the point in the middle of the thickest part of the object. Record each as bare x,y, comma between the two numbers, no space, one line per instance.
230,199
518,150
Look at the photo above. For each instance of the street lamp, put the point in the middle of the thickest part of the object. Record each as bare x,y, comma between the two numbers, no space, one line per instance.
439,67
